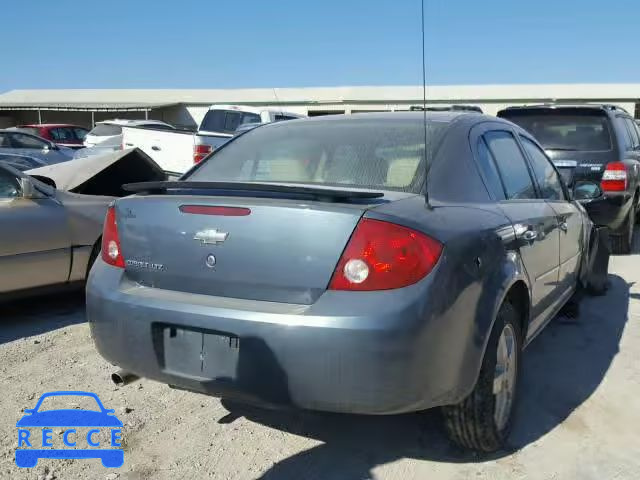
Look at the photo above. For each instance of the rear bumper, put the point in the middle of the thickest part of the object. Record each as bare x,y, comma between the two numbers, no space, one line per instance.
386,353
610,211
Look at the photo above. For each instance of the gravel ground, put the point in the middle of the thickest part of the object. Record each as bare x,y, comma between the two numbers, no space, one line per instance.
578,417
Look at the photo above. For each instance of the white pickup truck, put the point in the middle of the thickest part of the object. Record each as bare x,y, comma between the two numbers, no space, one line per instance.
177,151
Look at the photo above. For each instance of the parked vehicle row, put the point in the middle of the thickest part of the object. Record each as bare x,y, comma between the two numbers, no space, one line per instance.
62,134
109,133
178,150
16,142
364,264
598,143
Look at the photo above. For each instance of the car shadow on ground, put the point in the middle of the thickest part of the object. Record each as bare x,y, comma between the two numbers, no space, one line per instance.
34,316
562,368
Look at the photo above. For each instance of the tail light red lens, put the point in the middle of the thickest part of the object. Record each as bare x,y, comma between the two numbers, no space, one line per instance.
382,256
614,178
200,151
111,250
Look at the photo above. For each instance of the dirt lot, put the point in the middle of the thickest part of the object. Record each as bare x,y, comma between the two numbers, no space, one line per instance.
579,415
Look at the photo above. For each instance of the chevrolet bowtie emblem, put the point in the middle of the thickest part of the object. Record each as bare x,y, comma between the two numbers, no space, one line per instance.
211,237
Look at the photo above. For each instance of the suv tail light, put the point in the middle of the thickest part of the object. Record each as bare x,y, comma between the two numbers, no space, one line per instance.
111,251
382,255
614,178
200,151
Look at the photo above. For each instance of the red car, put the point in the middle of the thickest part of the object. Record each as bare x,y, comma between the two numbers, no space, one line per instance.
59,133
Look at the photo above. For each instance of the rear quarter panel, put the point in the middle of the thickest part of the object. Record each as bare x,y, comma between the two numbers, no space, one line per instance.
475,272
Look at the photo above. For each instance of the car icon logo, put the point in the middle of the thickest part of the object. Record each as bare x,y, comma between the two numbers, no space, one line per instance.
35,437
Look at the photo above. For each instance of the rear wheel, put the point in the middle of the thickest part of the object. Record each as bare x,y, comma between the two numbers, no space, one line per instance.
482,421
621,242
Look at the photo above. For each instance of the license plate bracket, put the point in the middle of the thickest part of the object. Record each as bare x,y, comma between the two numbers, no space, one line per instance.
199,353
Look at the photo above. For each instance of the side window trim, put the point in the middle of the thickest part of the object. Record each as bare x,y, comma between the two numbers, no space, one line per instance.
633,133
493,162
628,142
526,162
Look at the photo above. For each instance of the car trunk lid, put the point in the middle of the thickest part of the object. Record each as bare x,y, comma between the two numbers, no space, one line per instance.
261,246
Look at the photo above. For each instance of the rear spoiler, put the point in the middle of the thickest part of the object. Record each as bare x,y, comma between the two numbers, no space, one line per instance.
330,193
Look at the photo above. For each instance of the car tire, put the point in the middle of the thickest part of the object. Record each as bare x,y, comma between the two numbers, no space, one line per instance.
482,422
621,243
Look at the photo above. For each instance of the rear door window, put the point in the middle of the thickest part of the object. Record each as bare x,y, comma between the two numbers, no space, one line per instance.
62,134
558,130
511,164
80,133
546,176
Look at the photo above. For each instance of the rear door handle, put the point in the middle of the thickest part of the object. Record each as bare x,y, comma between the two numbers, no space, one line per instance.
525,233
157,149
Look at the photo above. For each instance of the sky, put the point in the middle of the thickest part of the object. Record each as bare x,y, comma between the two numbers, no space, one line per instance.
301,43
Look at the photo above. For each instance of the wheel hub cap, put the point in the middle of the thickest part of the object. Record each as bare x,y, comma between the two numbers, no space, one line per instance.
504,379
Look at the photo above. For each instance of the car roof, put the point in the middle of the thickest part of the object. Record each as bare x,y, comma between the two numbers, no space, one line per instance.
256,110
563,106
124,122
417,116
15,130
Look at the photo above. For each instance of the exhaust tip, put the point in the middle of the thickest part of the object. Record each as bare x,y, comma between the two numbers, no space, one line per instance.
122,378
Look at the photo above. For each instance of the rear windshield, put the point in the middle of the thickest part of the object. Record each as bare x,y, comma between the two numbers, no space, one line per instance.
106,130
377,153
565,131
227,121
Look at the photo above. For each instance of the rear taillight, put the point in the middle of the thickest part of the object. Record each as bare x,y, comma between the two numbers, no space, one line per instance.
111,251
614,178
382,255
200,151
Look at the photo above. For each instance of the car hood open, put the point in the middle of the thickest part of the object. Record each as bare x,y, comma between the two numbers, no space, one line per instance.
101,174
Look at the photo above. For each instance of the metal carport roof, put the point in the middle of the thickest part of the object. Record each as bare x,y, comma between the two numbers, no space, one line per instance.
85,107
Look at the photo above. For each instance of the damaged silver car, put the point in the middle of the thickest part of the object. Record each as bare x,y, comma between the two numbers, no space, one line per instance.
52,218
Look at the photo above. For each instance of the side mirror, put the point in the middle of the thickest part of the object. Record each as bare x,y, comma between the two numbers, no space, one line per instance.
45,180
29,190
587,191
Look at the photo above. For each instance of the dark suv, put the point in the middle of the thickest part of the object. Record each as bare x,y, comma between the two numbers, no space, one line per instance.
592,142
